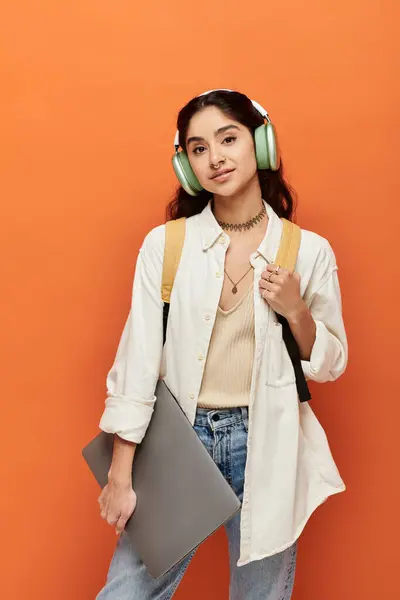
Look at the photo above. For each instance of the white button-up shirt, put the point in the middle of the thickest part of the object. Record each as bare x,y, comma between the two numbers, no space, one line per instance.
289,470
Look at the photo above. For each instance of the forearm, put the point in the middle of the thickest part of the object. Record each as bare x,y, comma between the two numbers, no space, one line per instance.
304,330
122,460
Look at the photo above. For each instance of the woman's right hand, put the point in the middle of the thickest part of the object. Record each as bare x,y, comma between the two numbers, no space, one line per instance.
117,503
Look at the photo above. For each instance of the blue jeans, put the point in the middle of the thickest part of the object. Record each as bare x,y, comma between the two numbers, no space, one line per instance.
224,434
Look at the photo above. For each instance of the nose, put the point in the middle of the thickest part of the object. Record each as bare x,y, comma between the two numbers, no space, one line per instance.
216,159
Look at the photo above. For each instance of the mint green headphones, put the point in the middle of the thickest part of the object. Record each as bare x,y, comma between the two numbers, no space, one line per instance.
266,146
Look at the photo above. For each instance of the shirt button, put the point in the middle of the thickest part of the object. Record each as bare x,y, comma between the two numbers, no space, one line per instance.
207,317
200,357
192,396
218,274
222,240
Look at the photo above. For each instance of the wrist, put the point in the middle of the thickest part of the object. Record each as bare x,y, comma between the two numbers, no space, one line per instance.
298,314
120,479
120,471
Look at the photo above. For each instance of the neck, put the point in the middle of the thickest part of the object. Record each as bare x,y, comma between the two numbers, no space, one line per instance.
240,207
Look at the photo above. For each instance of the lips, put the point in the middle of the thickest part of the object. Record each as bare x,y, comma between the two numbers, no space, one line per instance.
219,173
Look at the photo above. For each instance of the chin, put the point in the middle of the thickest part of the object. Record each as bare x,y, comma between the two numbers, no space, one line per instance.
229,190
234,187
226,192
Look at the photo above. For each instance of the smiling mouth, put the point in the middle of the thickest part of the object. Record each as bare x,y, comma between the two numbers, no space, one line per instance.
222,175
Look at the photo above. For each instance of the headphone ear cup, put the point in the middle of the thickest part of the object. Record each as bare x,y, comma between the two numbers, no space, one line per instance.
185,174
260,140
267,151
273,148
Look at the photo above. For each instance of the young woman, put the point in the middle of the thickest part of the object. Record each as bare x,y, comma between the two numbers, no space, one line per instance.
225,358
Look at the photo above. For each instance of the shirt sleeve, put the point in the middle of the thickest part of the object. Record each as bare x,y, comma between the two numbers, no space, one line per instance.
329,354
132,380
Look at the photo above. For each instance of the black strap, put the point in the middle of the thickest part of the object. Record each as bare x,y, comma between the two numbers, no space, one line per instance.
165,320
292,348
294,353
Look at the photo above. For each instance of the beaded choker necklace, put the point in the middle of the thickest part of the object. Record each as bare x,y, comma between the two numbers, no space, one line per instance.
244,226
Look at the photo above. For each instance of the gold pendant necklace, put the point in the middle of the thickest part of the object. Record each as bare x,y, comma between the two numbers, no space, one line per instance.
234,289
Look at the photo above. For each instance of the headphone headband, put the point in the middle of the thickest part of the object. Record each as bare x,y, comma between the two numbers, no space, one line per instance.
257,106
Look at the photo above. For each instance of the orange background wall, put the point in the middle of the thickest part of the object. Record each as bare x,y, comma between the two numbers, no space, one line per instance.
90,92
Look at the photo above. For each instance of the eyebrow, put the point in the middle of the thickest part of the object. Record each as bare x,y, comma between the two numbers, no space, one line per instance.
218,132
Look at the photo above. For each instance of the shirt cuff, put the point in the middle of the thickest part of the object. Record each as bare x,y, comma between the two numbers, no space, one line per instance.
127,417
324,354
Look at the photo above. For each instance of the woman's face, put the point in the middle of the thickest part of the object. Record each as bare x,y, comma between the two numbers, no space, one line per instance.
212,137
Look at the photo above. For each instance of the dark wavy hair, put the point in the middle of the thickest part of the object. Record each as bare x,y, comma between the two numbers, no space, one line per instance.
275,190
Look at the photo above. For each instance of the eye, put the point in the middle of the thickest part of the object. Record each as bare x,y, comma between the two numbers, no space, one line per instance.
199,150
229,140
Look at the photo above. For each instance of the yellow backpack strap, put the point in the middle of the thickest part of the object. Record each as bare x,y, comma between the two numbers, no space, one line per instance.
174,238
286,258
289,245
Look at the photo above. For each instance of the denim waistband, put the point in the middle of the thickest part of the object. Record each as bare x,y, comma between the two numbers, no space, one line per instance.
222,417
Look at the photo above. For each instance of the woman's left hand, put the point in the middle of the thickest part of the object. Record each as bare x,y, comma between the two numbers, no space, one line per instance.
281,289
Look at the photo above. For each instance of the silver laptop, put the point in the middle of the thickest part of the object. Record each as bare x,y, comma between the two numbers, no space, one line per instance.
182,497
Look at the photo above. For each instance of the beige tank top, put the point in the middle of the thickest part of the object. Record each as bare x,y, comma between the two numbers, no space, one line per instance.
229,365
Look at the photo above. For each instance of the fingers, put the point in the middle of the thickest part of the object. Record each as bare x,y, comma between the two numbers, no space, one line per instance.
275,274
120,526
267,295
113,517
268,285
279,274
277,270
271,282
280,288
116,511
103,501
105,511
102,495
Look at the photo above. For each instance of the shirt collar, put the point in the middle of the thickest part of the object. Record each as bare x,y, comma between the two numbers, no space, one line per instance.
269,246
211,231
